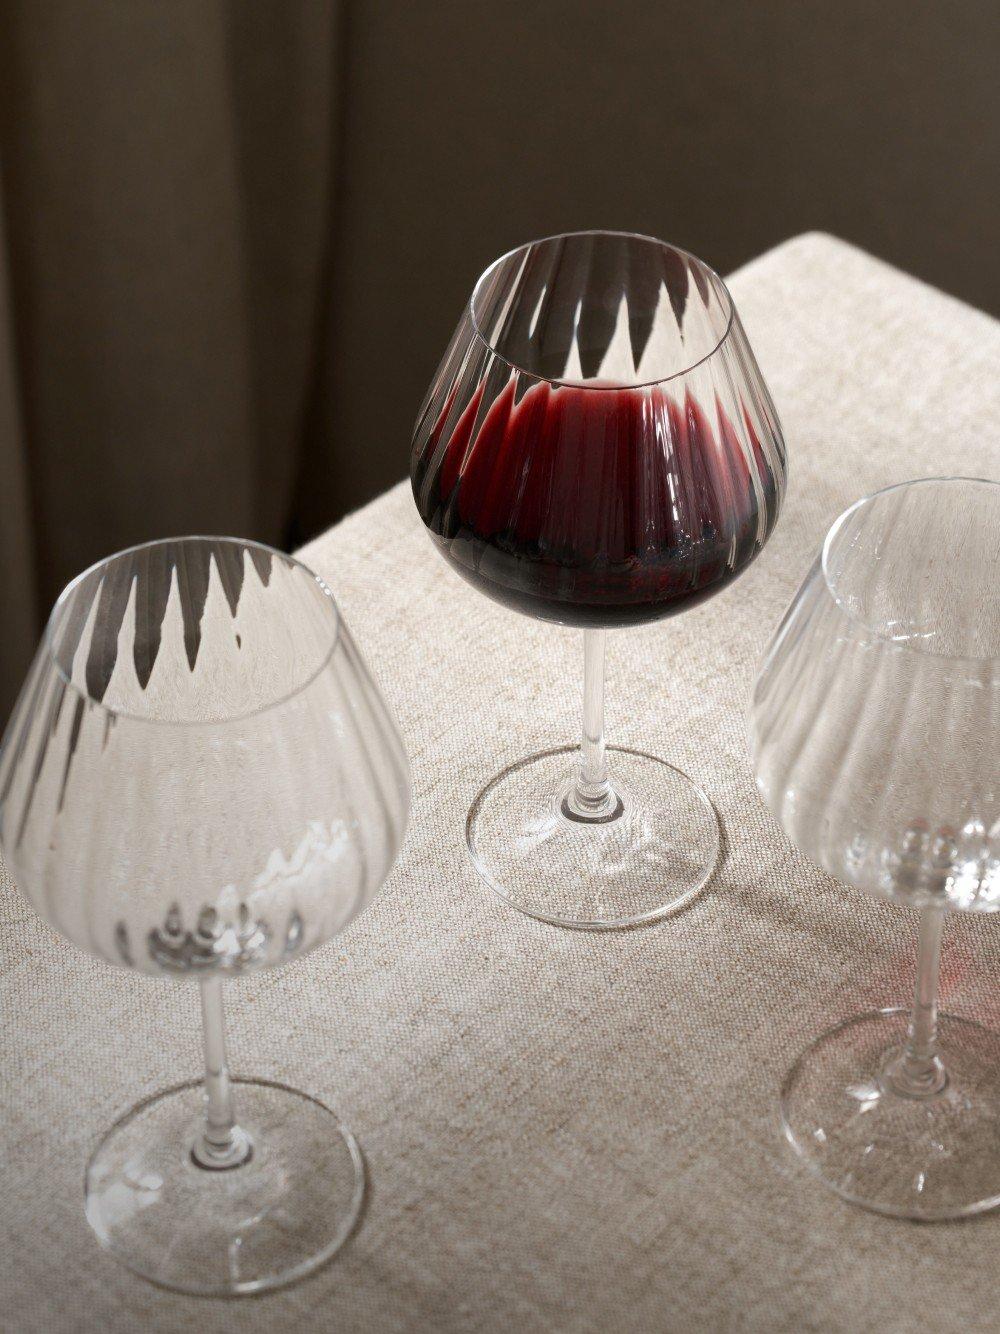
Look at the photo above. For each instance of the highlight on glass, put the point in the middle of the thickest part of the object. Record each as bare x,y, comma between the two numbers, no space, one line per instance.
598,449
875,732
200,779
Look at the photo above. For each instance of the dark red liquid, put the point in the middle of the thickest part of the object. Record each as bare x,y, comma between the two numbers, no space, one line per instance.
595,507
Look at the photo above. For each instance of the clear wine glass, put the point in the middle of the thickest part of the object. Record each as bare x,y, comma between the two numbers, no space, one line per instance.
200,779
875,731
598,449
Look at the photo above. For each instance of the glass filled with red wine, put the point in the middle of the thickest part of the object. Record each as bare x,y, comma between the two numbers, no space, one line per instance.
597,449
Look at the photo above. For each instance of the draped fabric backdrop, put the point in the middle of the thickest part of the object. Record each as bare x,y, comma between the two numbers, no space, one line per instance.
167,195
236,235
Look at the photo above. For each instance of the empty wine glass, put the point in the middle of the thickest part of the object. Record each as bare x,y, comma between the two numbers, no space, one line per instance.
875,732
201,779
598,448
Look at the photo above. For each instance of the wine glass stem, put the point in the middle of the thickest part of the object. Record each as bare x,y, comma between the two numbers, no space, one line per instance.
222,1143
592,797
917,1071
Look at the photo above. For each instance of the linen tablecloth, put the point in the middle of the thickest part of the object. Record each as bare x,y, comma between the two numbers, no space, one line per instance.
564,1131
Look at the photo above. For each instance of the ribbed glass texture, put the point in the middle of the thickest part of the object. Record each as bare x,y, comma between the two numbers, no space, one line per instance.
200,775
598,447
875,721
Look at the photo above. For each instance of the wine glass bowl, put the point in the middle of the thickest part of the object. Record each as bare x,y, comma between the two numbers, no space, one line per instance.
875,727
199,780
597,449
874,732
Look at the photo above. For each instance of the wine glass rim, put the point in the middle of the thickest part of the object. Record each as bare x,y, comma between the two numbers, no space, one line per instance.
244,543
861,503
582,384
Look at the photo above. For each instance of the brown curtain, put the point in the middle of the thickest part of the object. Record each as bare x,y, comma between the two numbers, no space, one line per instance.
164,242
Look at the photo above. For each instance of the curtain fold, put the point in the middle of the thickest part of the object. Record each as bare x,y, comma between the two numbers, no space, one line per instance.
168,172
18,597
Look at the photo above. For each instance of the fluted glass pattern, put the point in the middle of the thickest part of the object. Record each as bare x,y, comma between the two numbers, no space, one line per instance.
875,721
598,446
200,775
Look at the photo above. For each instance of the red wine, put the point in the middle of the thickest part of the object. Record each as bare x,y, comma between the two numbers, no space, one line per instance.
595,506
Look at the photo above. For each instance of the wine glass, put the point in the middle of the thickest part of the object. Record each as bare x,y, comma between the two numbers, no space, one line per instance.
875,731
200,779
598,449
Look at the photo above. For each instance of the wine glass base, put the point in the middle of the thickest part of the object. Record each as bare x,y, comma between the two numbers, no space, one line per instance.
272,1220
929,1158
656,852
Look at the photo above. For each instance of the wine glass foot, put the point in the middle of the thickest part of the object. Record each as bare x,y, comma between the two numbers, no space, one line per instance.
931,1157
282,1213
656,851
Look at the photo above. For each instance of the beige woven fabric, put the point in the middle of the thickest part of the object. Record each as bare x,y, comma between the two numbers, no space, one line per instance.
564,1131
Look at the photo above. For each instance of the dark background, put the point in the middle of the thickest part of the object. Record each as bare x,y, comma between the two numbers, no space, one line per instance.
237,235
724,127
